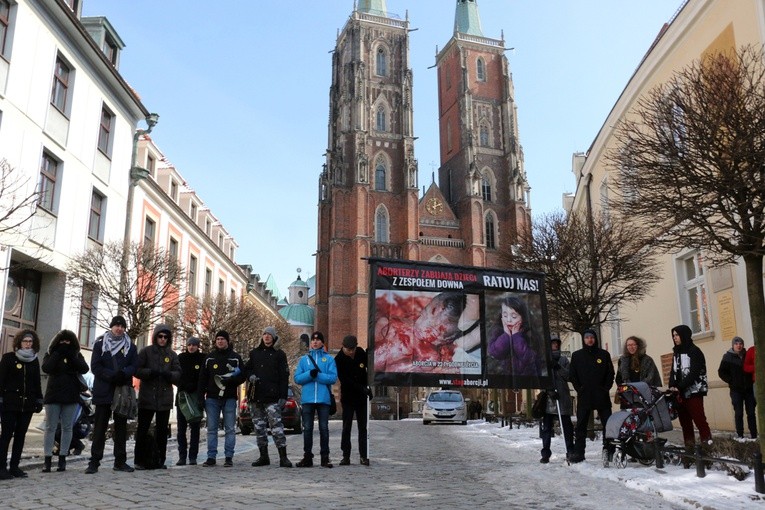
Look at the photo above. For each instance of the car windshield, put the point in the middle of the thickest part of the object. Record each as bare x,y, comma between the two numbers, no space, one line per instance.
445,397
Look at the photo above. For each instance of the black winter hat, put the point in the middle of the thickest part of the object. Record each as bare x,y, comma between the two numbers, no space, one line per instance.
224,334
350,342
118,320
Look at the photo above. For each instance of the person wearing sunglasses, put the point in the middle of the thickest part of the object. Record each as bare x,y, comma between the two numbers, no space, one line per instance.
158,370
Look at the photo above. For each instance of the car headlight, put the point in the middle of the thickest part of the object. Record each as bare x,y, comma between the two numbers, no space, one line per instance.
426,406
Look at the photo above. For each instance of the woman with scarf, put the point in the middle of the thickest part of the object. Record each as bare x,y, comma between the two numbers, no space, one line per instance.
64,365
20,396
114,362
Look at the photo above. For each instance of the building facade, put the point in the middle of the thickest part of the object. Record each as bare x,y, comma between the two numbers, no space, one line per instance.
712,301
369,201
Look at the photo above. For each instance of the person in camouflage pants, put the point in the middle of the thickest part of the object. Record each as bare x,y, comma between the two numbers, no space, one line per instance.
268,376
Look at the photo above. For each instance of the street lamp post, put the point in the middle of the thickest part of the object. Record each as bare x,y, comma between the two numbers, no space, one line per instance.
136,174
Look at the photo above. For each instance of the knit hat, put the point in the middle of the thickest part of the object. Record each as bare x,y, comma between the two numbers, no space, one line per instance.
271,331
590,332
318,335
350,342
737,340
224,334
192,340
118,320
555,340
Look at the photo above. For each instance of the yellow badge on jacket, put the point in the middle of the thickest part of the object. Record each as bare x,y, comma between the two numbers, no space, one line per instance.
600,360
18,365
167,360
215,365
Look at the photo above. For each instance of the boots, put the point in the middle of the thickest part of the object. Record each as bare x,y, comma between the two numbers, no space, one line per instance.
61,463
283,460
263,460
46,464
325,462
307,461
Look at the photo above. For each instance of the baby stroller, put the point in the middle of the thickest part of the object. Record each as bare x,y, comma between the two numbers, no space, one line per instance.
83,423
633,432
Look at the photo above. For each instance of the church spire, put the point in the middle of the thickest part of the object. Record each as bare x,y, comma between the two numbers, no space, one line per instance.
375,7
466,19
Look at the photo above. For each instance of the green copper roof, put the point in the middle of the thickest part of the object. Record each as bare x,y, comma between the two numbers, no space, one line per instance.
298,283
376,7
297,314
271,285
466,19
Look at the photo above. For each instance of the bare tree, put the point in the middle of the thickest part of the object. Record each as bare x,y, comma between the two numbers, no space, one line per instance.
243,320
153,284
592,266
17,202
691,167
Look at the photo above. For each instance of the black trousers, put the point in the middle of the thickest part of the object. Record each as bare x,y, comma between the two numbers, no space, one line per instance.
14,426
582,420
160,434
191,447
359,408
100,426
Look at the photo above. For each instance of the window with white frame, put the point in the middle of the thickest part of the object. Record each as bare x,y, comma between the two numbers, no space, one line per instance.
105,131
208,282
694,297
5,28
59,96
615,323
193,212
382,234
96,220
149,231
192,277
221,286
88,314
173,249
49,175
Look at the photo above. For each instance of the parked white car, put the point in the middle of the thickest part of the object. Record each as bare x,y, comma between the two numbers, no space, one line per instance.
447,406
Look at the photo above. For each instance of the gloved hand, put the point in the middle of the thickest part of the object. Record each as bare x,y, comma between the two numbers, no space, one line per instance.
369,393
556,365
314,372
38,407
281,403
119,377
254,378
166,375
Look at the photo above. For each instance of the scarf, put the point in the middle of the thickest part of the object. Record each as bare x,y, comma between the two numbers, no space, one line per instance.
26,355
115,344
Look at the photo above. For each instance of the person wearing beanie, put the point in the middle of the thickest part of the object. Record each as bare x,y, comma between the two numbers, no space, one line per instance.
268,376
191,361
316,372
113,361
592,374
64,365
741,386
20,397
688,379
352,364
558,400
219,380
158,370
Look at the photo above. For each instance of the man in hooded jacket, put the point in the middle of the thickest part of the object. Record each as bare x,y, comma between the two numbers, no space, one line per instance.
592,374
268,375
158,370
741,386
688,379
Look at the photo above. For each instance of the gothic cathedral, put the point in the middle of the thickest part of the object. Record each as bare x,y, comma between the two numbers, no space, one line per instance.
369,203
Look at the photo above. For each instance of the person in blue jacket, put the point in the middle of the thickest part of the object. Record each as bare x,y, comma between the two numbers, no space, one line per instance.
316,373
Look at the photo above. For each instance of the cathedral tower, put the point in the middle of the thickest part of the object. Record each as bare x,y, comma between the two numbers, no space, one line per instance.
481,173
368,185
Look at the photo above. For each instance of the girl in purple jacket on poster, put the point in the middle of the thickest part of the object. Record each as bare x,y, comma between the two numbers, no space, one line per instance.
512,345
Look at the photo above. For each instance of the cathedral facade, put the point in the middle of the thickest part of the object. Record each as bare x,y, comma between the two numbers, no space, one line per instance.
369,200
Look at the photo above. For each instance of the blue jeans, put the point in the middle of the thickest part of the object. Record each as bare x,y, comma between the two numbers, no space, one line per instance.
213,408
309,410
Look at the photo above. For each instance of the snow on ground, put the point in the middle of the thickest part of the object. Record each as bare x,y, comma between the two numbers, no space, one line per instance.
679,487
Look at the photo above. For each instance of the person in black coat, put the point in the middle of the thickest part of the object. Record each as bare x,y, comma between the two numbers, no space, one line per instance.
351,364
191,361
20,397
268,375
64,365
592,374
114,362
741,385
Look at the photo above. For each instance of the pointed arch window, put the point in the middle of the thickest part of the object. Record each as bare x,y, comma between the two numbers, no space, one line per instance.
380,174
486,188
483,138
380,121
382,234
381,62
480,69
490,231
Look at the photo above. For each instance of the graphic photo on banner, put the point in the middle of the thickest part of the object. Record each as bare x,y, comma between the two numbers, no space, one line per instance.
486,328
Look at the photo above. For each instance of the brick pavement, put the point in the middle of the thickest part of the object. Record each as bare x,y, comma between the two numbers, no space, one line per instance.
413,466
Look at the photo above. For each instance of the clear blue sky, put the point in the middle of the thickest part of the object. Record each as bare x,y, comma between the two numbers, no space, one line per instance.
242,91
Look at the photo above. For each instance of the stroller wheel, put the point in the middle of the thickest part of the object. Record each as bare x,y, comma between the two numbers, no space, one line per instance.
645,462
620,459
607,457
